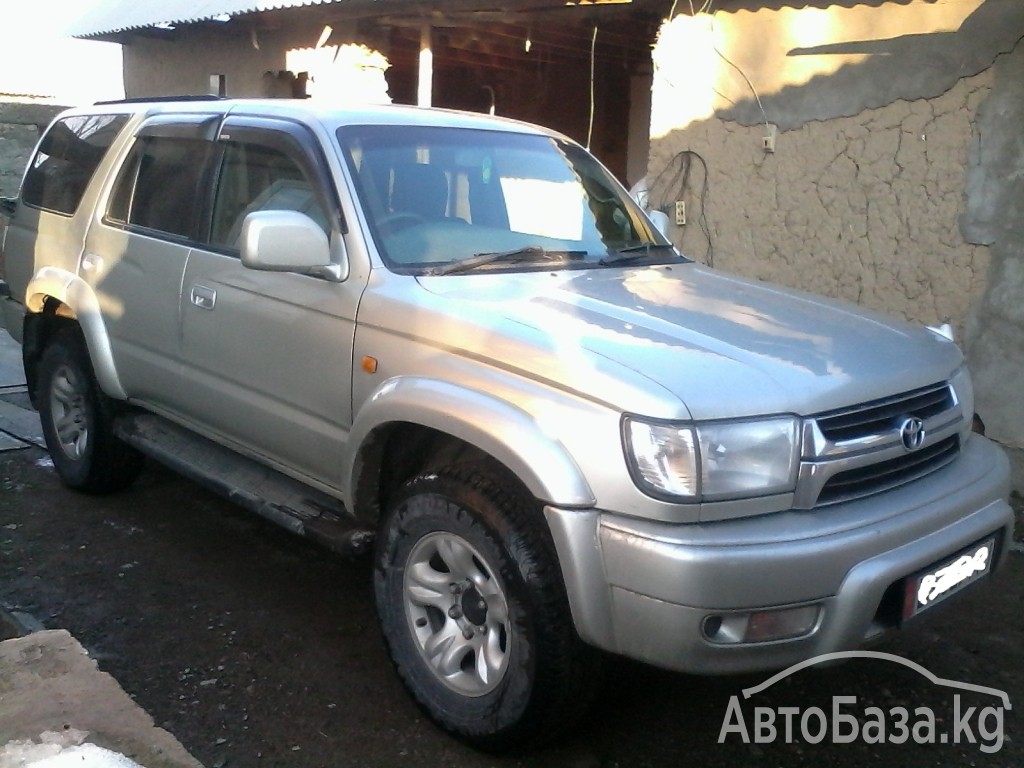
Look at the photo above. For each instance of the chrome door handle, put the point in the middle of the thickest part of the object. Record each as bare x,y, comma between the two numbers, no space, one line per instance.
203,297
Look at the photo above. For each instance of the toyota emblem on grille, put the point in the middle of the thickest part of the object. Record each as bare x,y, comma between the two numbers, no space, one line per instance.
912,433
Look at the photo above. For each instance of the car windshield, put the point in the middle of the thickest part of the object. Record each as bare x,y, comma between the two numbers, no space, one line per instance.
447,201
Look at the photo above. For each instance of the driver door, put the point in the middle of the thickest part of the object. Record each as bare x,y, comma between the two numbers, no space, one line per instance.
268,355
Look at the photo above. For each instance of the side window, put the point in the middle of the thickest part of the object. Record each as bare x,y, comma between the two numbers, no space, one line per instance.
254,177
159,185
66,160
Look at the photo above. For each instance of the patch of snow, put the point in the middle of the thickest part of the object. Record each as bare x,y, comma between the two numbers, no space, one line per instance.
61,750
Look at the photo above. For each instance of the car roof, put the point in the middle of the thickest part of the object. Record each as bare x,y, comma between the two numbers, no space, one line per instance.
330,115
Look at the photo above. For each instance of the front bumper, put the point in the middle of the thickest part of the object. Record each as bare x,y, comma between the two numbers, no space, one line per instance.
643,589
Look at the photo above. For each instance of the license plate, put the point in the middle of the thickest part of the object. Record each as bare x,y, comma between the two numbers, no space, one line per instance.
947,577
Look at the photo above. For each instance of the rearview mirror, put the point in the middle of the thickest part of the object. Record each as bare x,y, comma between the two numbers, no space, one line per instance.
661,221
285,241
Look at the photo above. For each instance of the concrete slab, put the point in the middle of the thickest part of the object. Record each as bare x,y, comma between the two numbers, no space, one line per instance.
9,443
49,686
21,423
11,372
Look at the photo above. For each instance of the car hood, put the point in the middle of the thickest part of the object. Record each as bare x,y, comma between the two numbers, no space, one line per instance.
683,340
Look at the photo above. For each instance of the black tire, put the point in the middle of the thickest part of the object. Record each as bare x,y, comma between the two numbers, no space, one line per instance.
77,420
460,551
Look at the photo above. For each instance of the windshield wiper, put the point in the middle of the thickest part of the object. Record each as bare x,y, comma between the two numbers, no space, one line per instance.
633,253
529,253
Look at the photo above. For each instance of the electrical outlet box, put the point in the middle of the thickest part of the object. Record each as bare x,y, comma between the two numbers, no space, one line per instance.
768,140
680,213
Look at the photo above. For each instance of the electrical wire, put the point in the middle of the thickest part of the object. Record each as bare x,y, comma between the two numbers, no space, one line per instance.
681,164
676,188
704,8
743,74
593,51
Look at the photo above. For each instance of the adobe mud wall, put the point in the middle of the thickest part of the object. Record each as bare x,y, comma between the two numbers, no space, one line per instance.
995,217
340,66
861,208
897,179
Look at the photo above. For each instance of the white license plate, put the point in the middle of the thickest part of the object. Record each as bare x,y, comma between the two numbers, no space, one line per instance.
947,577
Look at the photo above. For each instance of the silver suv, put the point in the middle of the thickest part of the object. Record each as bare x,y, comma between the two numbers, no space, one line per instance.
457,341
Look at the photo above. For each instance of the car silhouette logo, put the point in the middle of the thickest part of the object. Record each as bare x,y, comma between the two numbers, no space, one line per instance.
839,655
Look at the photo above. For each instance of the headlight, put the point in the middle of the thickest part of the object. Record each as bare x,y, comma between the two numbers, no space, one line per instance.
663,458
714,460
963,390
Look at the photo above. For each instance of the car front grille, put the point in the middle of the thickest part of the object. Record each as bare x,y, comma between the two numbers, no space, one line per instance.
859,451
875,478
881,415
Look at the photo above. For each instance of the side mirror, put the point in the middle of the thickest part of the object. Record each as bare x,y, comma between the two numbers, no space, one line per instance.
285,241
661,221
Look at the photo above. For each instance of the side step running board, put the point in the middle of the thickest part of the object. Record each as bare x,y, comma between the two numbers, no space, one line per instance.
265,491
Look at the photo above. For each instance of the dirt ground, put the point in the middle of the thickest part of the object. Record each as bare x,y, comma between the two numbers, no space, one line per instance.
255,648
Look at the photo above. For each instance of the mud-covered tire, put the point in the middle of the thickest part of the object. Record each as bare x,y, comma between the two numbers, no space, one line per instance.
474,612
77,420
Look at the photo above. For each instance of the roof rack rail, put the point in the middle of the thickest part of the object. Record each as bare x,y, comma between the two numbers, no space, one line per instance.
150,99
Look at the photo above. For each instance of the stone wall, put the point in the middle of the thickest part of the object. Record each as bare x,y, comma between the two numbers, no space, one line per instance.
20,126
16,142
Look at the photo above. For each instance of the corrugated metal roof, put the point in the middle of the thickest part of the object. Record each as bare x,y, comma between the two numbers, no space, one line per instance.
110,17
113,16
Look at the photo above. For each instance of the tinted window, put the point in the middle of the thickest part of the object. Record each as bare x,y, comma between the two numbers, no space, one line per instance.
159,185
66,160
259,178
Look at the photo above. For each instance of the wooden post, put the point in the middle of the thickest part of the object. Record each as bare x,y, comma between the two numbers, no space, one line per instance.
426,74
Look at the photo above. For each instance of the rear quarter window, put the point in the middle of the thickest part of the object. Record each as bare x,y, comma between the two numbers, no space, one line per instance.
66,159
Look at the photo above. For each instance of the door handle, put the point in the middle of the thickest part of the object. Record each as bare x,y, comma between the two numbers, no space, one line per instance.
203,297
92,263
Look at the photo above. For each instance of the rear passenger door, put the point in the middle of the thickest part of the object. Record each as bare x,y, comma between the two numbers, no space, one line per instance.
268,354
135,256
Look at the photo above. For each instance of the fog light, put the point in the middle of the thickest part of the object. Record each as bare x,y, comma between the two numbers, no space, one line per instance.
761,626
779,625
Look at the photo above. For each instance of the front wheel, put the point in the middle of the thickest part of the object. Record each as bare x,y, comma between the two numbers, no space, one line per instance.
474,611
77,420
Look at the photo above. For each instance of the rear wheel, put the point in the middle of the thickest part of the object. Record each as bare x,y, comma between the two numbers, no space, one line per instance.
77,420
474,611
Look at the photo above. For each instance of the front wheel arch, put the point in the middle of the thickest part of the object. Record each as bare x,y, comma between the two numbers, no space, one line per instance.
490,425
394,453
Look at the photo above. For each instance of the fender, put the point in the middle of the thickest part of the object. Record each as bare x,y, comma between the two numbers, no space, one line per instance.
79,296
500,429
